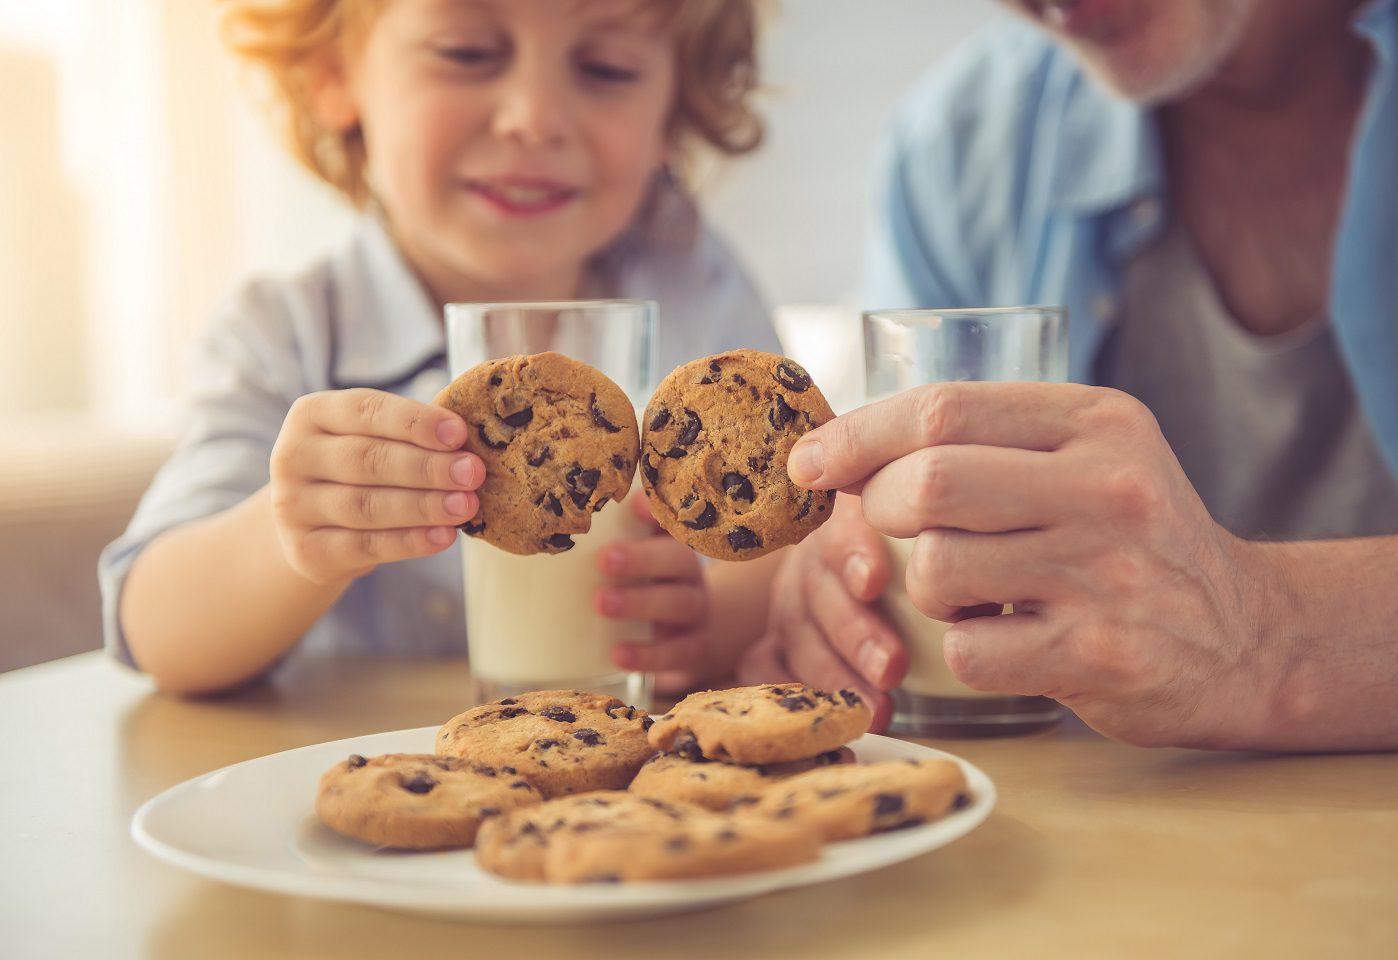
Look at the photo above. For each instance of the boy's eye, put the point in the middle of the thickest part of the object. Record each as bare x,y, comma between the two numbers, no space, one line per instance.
470,56
608,73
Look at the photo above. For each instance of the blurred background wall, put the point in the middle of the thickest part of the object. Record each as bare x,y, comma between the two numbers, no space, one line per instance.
138,183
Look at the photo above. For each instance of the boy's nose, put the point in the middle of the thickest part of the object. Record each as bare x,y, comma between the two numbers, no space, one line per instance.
533,108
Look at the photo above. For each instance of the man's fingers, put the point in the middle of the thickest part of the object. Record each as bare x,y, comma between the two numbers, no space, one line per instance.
978,488
950,570
377,413
846,451
1016,653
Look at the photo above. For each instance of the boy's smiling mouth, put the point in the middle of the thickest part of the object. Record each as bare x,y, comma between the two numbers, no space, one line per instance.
522,196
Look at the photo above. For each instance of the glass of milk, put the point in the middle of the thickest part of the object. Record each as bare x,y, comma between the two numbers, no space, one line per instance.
908,348
530,621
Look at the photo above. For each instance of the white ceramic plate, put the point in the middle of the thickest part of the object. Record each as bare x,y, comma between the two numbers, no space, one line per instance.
254,825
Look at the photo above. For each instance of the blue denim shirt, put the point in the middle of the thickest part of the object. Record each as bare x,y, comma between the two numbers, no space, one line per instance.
1011,177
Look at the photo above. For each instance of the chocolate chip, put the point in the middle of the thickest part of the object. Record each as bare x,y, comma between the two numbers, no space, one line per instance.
507,701
495,380
579,499
550,502
738,487
583,481
660,419
599,418
850,697
714,375
490,812
420,783
537,459
961,801
674,453
690,431
471,528
561,714
791,376
559,542
646,723
630,712
590,737
806,507
648,470
485,439
486,771
687,746
510,770
548,744
677,844
521,418
706,519
600,503
727,836
356,761
796,703
887,804
511,712
520,785
741,538
620,462
780,414
740,380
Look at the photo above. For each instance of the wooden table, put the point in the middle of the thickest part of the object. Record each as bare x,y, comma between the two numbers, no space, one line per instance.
1095,850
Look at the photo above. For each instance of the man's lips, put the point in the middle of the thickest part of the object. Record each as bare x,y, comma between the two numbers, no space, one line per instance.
522,195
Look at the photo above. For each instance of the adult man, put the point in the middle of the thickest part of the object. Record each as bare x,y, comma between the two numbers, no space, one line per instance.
1253,310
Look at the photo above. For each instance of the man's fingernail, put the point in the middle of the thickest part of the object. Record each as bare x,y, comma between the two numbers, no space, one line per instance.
857,574
451,432
806,463
873,661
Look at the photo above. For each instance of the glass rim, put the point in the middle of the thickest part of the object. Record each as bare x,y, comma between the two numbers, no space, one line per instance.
1037,309
550,304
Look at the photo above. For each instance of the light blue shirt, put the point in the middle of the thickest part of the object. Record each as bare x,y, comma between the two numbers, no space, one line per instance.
360,318
1012,178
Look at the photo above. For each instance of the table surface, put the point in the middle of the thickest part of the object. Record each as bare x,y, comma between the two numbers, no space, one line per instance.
1095,849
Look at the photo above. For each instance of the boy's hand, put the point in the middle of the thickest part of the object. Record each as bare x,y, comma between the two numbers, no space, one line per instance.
361,477
673,597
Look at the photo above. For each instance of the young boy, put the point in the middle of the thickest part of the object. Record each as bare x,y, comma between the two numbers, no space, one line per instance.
501,150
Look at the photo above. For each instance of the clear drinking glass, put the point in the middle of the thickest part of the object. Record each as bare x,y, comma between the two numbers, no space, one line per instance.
530,620
908,348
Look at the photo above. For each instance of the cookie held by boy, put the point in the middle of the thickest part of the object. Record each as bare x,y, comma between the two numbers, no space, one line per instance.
559,440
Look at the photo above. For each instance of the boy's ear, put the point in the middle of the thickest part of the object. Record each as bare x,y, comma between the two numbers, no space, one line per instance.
331,95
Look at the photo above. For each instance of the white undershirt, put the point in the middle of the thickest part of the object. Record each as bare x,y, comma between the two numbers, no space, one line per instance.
1267,428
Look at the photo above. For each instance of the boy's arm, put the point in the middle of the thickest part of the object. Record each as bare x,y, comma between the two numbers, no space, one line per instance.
213,603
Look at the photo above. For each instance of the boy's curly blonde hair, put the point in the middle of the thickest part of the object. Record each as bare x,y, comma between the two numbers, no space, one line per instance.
716,74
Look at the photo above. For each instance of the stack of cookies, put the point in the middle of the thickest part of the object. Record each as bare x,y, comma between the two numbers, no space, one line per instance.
568,787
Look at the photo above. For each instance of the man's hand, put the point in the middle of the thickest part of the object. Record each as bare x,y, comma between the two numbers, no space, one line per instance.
821,627
1132,606
361,477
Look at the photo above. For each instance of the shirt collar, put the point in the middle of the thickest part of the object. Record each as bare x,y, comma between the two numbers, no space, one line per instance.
386,327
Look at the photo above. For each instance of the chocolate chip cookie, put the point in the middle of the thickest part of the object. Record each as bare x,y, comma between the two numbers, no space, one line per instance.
721,786
771,723
417,801
559,440
858,799
561,741
714,443
609,837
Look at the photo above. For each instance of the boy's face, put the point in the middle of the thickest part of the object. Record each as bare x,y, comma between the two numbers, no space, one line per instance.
1150,51
508,140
